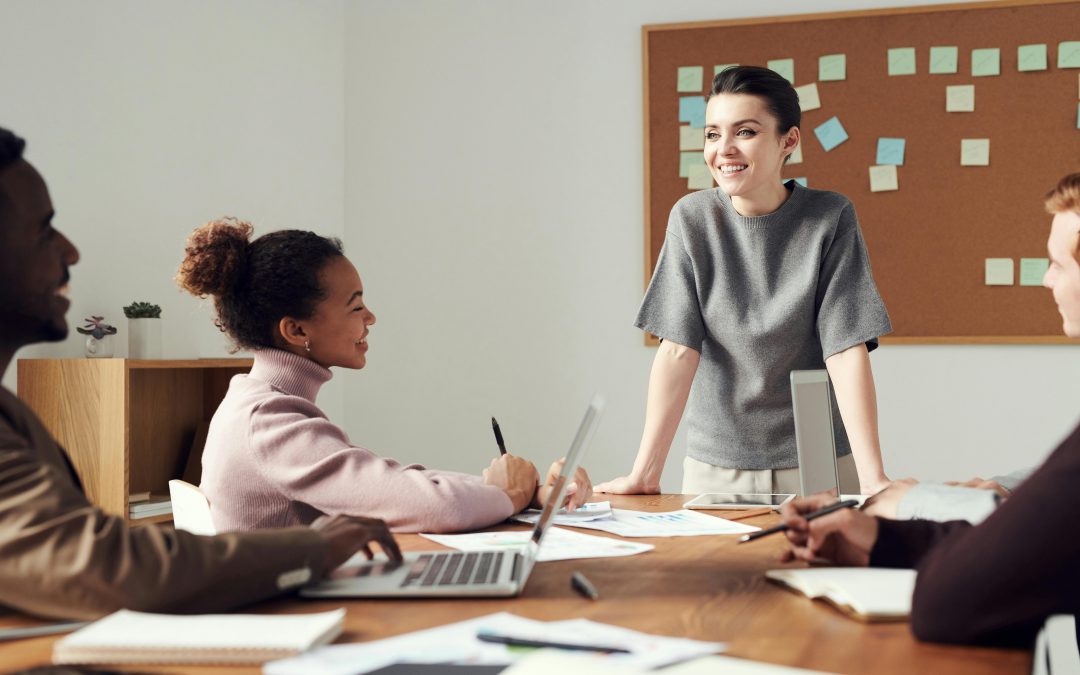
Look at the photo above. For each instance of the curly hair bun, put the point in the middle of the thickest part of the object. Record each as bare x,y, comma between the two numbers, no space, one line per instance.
215,258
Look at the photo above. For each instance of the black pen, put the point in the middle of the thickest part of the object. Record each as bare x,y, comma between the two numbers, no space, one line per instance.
582,585
846,504
498,436
512,641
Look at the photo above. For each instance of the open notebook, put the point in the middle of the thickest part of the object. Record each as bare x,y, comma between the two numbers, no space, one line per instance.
866,594
137,637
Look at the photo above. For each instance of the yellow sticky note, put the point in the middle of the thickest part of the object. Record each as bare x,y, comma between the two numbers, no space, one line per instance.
902,61
883,178
720,68
1032,271
796,156
832,67
999,272
700,178
1030,57
783,67
975,152
985,62
808,97
690,78
691,138
960,98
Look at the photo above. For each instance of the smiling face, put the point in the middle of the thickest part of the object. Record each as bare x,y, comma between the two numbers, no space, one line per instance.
745,151
34,260
337,332
1063,275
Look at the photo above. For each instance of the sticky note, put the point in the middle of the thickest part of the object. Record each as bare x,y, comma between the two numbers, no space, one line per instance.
1078,116
1032,271
831,133
796,156
720,68
691,138
699,178
1030,57
808,97
975,152
944,60
902,61
687,160
985,62
801,180
690,78
883,178
999,272
960,98
1069,55
783,67
832,67
890,151
692,110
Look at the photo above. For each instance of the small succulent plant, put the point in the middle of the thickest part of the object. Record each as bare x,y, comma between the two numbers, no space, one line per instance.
96,327
142,310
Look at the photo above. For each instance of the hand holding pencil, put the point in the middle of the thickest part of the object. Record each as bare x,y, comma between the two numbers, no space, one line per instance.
843,537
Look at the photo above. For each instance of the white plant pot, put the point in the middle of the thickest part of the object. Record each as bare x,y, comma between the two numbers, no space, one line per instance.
99,349
144,338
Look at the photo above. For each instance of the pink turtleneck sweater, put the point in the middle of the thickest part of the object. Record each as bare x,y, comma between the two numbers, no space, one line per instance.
273,459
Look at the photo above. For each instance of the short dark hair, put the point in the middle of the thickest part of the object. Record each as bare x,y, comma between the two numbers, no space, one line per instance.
779,96
256,283
11,151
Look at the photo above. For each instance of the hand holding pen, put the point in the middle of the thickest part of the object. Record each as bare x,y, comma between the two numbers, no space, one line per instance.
843,536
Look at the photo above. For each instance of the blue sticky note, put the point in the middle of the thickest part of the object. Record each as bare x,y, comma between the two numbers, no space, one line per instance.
692,110
890,151
831,133
1069,55
801,180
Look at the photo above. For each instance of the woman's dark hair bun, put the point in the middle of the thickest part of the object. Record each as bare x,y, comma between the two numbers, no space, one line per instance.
216,258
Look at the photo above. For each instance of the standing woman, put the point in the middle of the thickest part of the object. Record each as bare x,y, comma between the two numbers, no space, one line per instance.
756,279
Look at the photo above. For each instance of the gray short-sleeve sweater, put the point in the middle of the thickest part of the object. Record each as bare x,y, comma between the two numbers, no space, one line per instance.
759,297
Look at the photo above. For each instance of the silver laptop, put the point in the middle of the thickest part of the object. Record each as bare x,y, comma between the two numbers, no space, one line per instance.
459,573
811,400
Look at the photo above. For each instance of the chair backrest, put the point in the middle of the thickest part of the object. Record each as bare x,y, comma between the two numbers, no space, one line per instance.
190,508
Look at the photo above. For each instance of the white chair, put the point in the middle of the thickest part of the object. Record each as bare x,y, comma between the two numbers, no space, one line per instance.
190,508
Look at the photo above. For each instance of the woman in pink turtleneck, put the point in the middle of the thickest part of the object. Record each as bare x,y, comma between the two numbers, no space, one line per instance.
272,458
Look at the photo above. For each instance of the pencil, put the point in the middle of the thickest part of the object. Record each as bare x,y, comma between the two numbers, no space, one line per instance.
846,504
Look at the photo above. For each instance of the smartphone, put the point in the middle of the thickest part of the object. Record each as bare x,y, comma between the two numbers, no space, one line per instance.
723,500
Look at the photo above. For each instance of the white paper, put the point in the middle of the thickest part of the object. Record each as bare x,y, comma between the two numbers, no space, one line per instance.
587,511
682,523
559,544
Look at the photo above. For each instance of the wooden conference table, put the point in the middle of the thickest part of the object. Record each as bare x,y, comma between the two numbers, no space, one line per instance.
707,588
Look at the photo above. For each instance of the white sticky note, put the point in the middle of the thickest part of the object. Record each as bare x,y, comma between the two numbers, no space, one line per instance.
999,272
960,98
975,152
691,138
808,97
699,178
796,156
783,67
883,178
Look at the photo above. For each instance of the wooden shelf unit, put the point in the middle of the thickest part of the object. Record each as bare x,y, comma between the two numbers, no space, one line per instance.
127,424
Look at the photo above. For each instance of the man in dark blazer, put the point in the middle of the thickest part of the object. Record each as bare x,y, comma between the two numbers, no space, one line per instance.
60,556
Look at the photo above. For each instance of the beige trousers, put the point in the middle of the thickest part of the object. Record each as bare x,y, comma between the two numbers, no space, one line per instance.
699,477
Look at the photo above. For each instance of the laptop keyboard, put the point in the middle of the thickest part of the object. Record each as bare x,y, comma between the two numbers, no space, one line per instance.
454,569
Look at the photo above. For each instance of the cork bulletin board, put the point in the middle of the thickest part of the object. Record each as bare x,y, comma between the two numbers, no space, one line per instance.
931,240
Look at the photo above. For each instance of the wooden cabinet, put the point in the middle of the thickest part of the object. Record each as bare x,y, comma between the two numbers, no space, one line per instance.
127,424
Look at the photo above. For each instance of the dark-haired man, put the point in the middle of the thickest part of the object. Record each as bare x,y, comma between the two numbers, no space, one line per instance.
59,555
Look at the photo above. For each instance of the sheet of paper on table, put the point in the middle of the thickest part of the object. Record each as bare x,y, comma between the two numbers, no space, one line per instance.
559,544
682,523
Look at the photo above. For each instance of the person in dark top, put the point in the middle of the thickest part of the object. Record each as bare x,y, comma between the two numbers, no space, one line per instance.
996,582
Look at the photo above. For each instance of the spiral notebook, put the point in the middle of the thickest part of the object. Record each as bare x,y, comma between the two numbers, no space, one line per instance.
137,637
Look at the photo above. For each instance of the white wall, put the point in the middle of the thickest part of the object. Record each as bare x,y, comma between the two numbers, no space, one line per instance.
494,209
149,118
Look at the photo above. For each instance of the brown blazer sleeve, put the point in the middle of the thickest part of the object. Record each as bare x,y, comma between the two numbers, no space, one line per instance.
999,581
62,557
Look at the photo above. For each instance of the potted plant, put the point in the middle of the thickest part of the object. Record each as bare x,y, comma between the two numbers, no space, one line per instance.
144,330
99,343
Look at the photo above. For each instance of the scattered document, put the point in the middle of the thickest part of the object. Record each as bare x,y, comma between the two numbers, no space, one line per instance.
138,637
883,178
960,98
944,60
809,98
831,133
457,643
784,68
547,661
985,62
999,272
587,511
832,67
975,152
902,61
1030,58
559,544
868,594
690,78
1032,271
682,523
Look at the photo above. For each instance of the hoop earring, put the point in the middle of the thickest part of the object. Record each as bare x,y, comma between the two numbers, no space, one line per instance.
307,345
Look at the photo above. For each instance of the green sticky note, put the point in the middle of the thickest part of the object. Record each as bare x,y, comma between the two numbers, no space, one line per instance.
720,68
687,160
985,62
699,178
832,67
690,78
1030,57
1069,55
1032,271
944,60
999,272
783,67
902,61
